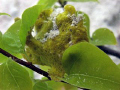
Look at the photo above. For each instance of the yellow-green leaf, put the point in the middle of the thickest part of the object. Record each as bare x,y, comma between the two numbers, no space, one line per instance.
10,39
60,85
0,38
3,58
4,14
48,3
41,86
29,17
14,77
52,85
119,66
86,22
89,67
103,36
82,0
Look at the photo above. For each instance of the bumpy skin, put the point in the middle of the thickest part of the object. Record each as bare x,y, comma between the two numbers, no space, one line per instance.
50,52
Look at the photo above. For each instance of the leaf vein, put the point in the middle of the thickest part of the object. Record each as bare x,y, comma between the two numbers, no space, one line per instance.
13,76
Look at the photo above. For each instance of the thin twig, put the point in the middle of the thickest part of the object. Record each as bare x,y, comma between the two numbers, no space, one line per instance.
62,3
31,66
27,64
110,51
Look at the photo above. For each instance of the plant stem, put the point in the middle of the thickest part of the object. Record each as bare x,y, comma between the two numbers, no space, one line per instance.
62,3
110,51
31,66
27,64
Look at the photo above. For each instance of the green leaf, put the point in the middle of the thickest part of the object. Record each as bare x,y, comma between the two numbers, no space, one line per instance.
0,35
82,0
0,38
89,67
60,86
103,36
11,41
45,68
29,17
52,85
48,3
3,58
41,86
31,73
14,77
4,14
119,66
86,22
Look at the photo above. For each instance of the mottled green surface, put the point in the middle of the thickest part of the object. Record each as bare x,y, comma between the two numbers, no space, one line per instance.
29,18
50,52
86,22
43,24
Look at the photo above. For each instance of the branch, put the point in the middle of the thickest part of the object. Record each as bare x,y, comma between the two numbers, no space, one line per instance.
62,3
109,51
27,64
31,66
